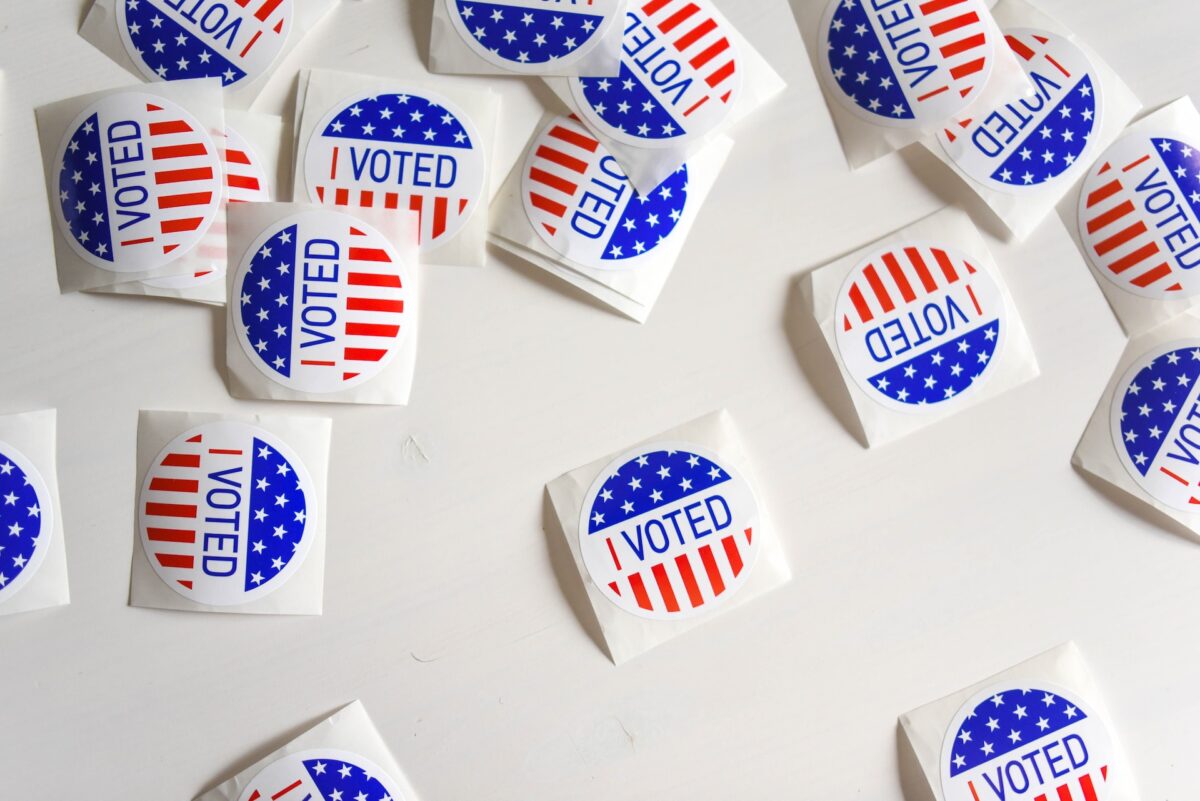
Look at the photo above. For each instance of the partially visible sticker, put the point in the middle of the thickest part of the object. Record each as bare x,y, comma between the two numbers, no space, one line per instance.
906,63
919,325
1026,740
170,40
402,150
323,774
139,182
226,513
26,520
669,531
532,35
1139,215
321,302
680,76
1039,140
581,204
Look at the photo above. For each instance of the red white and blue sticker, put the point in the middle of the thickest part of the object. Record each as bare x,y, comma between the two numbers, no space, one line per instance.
1027,741
402,150
669,531
226,513
582,205
323,774
1139,215
139,182
1038,140
234,40
906,63
680,76
533,35
919,325
321,302
26,520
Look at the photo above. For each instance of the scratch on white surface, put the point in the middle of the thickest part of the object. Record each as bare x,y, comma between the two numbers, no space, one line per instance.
413,452
423,660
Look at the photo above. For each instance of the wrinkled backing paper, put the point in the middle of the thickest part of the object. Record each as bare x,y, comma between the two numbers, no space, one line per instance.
628,635
926,727
303,592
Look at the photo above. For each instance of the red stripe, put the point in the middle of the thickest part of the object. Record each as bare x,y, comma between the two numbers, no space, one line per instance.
671,22
881,293
552,180
639,591
364,354
1020,48
439,216
562,159
160,484
169,127
341,197
372,330
175,560
1178,478
689,581
898,276
974,300
181,460
184,224
179,176
613,552
171,509
918,263
366,199
318,363
1060,67
860,304
369,254
653,6
243,182
720,75
934,6
575,138
1149,277
962,70
709,53
391,200
250,43
695,34
963,45
1133,164
1103,193
225,451
1110,216
265,10
333,164
373,279
1064,793
954,23
1085,784
186,199
178,151
546,204
664,587
1136,257
170,535
934,93
731,553
1121,237
237,157
374,304
710,567
141,241
947,267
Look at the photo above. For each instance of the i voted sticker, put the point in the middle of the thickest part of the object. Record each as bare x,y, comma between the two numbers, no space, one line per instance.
1139,215
234,40
907,63
582,205
322,774
533,35
226,513
669,530
680,76
321,302
1037,140
919,325
26,520
1029,741
139,182
406,150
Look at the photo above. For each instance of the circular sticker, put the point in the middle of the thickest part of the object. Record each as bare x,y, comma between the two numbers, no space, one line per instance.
532,35
582,205
906,64
322,774
26,520
234,40
919,325
1037,140
1026,741
1139,215
410,151
321,302
225,513
668,531
679,76
139,183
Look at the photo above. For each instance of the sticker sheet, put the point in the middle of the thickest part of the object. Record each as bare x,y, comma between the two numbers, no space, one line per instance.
230,513
686,76
33,556
568,208
921,325
669,533
135,182
396,144
1137,218
325,304
1022,156
1038,730
237,43
342,758
527,37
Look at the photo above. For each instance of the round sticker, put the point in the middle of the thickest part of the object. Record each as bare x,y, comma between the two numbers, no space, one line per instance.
139,183
905,63
1037,140
322,774
1153,424
321,302
919,325
234,40
1026,741
1139,215
582,205
226,513
669,530
411,151
679,78
26,520
532,35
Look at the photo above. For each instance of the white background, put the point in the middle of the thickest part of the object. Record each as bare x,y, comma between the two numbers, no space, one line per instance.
919,568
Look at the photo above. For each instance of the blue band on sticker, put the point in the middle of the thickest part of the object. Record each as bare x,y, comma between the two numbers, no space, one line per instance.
323,774
528,35
23,512
1003,723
